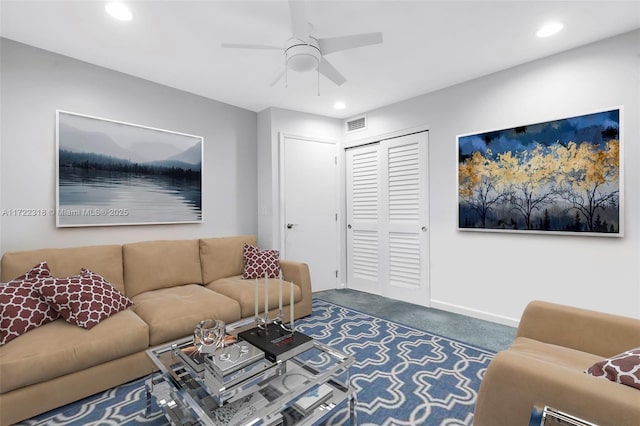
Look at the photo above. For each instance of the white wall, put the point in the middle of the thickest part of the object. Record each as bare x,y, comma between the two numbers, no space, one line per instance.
34,83
486,275
272,122
267,186
494,276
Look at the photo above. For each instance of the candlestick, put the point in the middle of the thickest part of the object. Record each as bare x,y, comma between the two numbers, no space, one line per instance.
256,298
266,298
291,306
280,297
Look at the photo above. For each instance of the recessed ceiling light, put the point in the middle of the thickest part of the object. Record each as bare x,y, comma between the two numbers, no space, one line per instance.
550,29
339,105
118,11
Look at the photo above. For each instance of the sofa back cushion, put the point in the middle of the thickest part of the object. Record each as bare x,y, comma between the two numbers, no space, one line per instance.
151,265
223,257
65,262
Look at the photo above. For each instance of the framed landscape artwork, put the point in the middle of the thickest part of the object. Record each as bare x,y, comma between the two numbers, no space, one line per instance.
115,173
558,177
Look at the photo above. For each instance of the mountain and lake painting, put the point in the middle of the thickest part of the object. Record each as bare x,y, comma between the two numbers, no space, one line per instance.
114,173
561,177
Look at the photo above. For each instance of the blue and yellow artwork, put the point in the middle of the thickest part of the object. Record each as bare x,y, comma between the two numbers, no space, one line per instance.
561,176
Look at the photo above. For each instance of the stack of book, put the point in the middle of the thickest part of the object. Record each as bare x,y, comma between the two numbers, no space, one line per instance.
277,344
232,358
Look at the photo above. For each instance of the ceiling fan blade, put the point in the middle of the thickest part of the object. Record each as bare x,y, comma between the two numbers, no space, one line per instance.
249,46
331,72
336,44
277,78
299,23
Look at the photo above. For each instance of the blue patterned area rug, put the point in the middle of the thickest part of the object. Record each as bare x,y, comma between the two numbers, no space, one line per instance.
403,376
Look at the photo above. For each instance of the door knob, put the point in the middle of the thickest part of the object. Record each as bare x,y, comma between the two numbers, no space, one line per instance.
349,226
423,229
290,225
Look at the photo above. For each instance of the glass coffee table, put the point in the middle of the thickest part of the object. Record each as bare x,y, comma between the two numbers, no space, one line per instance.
239,386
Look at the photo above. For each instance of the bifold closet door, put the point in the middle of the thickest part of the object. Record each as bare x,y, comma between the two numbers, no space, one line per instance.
387,217
363,218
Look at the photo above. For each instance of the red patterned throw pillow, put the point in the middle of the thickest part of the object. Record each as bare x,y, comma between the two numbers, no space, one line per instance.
85,299
623,368
257,262
21,307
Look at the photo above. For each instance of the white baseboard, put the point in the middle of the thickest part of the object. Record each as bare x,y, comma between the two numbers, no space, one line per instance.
487,316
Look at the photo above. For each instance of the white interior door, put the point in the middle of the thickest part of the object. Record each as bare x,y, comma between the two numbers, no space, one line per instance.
404,233
309,200
363,217
387,237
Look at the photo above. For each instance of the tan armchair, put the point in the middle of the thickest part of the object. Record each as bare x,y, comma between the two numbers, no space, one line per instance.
545,365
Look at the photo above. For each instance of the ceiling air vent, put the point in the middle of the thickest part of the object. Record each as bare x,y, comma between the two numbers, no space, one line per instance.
355,124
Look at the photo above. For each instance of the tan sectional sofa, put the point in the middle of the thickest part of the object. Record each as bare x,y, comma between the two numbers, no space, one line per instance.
173,284
545,365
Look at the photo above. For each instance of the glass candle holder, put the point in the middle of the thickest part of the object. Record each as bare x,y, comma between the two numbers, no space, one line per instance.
209,334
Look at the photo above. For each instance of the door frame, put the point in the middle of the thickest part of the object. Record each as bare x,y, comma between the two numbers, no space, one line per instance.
389,135
376,139
281,193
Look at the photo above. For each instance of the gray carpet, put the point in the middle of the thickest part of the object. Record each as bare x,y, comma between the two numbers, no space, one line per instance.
484,334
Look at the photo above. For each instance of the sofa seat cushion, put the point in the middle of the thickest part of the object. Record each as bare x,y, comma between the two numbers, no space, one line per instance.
244,292
172,313
59,348
557,355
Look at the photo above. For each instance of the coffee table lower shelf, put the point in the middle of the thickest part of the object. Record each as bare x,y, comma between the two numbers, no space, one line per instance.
302,390
177,410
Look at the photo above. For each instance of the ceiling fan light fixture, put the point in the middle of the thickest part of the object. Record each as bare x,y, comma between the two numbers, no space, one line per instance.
302,62
302,57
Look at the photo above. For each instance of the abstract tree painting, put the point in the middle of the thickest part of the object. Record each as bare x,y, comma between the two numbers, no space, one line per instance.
561,176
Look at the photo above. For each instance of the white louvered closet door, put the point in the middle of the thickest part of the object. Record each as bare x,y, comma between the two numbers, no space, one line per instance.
363,187
388,241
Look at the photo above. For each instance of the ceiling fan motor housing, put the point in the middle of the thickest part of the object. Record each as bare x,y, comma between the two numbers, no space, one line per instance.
301,56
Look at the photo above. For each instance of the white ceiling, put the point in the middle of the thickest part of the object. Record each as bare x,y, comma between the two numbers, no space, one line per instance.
428,45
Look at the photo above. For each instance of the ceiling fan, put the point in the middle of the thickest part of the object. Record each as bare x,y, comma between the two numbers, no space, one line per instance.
304,52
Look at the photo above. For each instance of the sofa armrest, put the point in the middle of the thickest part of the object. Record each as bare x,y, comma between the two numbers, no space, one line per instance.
298,273
581,329
515,382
